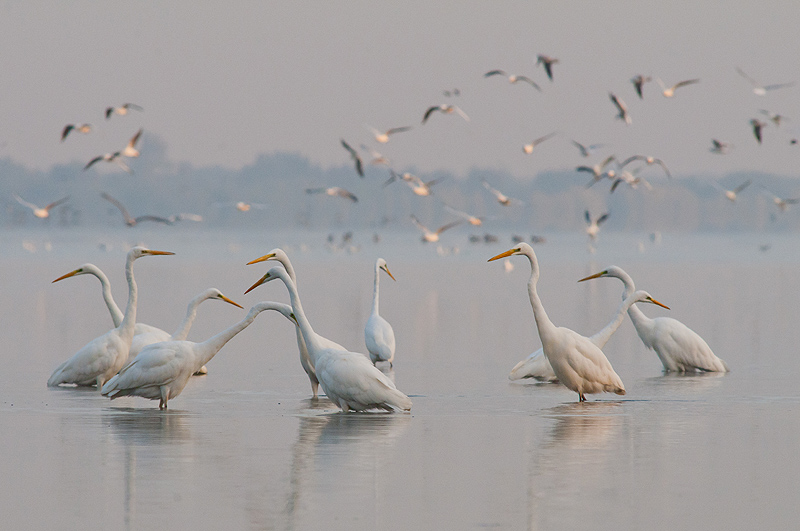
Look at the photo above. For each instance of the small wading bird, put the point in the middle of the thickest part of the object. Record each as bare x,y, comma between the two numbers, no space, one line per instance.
622,109
513,78
444,109
349,379
305,359
548,63
757,126
669,92
378,333
81,128
679,348
105,355
719,147
501,197
586,150
429,236
130,150
132,222
122,110
355,157
732,194
383,136
528,148
649,161
40,212
593,227
536,365
333,191
758,88
638,82
109,157
162,370
578,363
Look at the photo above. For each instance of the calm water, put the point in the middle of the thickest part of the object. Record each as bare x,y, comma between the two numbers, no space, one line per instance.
245,448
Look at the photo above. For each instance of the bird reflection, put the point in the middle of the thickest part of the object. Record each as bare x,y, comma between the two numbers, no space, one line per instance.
585,424
148,427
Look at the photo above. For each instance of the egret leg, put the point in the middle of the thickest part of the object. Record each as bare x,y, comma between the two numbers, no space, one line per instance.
581,398
162,404
314,389
100,382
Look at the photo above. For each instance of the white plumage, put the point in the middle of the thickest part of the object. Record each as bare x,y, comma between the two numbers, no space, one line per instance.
378,333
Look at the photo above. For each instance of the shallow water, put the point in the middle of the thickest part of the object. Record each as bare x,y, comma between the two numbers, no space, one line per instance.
245,448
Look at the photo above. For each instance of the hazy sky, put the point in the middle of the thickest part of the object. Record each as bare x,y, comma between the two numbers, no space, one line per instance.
222,83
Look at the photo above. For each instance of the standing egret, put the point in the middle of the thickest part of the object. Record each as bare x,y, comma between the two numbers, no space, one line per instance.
105,355
577,362
161,370
536,365
679,348
280,256
349,379
378,333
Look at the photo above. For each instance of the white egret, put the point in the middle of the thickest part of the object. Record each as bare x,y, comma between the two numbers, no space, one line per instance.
305,360
679,348
349,379
536,365
161,370
577,362
105,355
40,212
378,333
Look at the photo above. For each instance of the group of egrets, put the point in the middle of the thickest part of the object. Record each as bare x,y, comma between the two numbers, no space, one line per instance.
141,360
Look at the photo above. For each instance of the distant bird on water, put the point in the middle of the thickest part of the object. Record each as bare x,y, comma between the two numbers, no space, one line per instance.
622,109
513,78
648,160
430,236
501,197
333,191
528,148
383,136
639,81
81,128
444,109
669,92
758,88
122,110
548,63
40,212
356,158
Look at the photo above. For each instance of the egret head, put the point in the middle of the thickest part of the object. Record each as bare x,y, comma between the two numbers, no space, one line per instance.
85,269
272,274
522,248
382,265
214,293
275,254
643,296
139,251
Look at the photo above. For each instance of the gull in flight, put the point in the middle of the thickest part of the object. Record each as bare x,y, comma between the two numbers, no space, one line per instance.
731,194
593,227
130,150
622,109
597,170
719,147
333,191
109,157
758,88
781,202
513,78
630,179
501,197
122,110
377,158
40,212
430,236
773,116
669,92
383,137
242,206
356,159
638,81
757,126
586,150
649,160
81,128
548,63
132,222
445,109
528,148
454,92
472,220
415,183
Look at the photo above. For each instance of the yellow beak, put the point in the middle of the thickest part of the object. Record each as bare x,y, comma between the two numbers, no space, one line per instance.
70,274
658,303
262,259
226,299
388,273
596,275
257,284
164,253
503,255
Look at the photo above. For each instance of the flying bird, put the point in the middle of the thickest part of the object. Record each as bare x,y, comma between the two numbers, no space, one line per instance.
758,88
333,191
593,227
597,170
415,183
638,81
719,147
781,202
377,157
356,158
81,128
122,110
383,136
548,63
501,197
445,109
731,194
586,150
513,78
528,148
648,160
40,212
773,116
669,92
109,157
430,236
757,126
130,221
472,220
631,180
130,150
622,109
